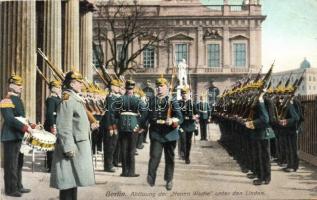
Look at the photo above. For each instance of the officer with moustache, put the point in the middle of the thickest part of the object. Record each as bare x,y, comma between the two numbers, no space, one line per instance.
164,116
188,126
109,126
52,103
11,137
130,124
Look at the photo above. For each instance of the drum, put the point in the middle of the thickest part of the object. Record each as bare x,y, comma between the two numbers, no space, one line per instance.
40,139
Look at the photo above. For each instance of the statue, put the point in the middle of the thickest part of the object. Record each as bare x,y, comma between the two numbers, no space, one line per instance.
182,73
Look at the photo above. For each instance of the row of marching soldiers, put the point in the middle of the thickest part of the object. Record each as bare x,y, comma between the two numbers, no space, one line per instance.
72,112
259,124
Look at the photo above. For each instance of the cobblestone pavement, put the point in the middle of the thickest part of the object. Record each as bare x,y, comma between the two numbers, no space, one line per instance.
212,174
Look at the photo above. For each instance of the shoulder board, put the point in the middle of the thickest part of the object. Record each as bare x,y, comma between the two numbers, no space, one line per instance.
65,96
6,103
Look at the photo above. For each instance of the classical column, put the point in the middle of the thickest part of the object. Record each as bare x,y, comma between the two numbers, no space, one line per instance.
226,48
253,43
71,35
52,30
200,48
86,39
18,48
50,35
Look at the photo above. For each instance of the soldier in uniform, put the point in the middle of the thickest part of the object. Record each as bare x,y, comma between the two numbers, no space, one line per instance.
11,137
130,124
72,165
289,129
149,92
108,126
188,126
213,93
204,112
164,117
52,102
260,133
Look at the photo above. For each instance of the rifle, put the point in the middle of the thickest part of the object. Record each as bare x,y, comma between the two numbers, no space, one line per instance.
296,84
42,75
61,76
257,78
169,110
102,78
259,92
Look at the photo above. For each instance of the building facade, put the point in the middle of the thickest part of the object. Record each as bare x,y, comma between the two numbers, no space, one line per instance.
309,84
61,29
219,42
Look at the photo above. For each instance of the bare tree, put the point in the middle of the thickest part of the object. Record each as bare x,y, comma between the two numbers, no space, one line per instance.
119,24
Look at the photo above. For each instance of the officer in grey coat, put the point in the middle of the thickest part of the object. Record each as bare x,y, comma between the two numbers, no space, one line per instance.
72,164
163,132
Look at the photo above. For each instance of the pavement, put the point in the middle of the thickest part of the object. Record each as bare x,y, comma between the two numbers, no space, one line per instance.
212,174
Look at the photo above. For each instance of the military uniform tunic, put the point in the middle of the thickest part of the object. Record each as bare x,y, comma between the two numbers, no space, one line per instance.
52,104
11,138
162,136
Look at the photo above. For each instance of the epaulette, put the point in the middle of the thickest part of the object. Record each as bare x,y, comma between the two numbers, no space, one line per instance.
65,96
6,103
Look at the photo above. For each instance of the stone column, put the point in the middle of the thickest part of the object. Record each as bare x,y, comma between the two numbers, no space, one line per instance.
200,48
253,46
52,30
226,48
18,49
71,36
86,39
50,35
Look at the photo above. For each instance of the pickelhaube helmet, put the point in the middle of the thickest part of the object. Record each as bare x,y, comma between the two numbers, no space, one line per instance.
15,79
70,76
161,81
55,83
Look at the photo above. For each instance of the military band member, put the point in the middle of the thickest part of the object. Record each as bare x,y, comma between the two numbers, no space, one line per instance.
11,137
188,126
204,112
72,165
52,102
163,132
130,124
109,126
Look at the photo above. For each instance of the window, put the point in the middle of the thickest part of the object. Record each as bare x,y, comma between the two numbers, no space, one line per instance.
314,78
97,55
303,87
239,54
181,53
148,57
309,78
213,52
119,50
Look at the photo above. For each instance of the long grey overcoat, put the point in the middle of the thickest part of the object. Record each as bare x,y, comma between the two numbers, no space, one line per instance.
73,130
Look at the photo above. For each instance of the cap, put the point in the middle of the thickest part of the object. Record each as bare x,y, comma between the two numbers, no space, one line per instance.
130,84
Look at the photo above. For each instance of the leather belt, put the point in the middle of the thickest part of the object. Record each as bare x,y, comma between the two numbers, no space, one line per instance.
160,121
129,113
